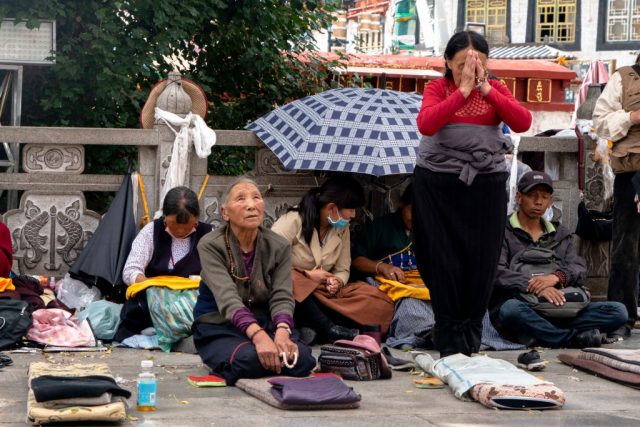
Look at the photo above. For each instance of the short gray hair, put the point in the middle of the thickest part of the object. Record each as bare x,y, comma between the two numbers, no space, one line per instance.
227,190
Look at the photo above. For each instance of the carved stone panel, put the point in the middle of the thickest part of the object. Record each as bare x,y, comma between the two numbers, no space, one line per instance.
53,158
268,163
596,254
49,231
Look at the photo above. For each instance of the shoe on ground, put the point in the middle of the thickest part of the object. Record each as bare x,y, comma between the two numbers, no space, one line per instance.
622,333
531,361
584,339
337,332
396,363
307,335
5,360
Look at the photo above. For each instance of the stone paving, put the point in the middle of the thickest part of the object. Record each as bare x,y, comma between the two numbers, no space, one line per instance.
591,401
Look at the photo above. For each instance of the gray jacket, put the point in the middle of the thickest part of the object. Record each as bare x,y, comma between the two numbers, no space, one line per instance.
509,283
269,290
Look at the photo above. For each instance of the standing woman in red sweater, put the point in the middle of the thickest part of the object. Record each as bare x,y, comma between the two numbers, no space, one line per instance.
460,201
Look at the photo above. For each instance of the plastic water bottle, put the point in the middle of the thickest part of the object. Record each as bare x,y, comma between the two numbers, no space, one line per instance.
146,387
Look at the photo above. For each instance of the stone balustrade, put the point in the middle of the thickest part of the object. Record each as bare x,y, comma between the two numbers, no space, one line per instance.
52,224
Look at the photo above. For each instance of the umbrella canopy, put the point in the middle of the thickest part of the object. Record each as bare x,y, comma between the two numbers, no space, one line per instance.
102,260
370,131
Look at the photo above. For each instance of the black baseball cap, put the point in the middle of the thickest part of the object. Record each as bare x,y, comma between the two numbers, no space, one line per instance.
533,178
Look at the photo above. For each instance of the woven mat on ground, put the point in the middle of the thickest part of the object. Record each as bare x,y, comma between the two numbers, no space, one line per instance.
621,359
38,414
261,390
540,396
599,369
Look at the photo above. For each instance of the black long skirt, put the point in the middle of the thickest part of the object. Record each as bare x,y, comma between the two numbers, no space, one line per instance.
458,232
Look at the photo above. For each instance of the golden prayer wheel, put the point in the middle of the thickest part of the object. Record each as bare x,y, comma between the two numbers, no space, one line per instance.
339,27
376,22
365,22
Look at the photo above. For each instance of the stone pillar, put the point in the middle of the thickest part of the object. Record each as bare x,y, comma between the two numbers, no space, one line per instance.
175,100
596,254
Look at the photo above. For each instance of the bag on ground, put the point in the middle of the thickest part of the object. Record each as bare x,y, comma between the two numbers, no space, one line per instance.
15,321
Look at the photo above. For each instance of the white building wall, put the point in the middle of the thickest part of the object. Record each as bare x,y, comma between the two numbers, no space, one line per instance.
519,21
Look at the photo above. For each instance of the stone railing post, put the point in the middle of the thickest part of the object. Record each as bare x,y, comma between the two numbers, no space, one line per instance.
596,254
154,162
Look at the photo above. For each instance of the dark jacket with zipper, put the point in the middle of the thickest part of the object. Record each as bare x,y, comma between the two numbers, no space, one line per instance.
508,283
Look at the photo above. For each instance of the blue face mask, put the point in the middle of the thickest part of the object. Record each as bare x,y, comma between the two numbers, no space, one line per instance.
340,223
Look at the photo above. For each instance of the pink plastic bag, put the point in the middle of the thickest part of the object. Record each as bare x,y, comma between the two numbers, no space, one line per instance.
54,327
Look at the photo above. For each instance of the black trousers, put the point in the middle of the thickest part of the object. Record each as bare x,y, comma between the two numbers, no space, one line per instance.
458,232
625,250
230,354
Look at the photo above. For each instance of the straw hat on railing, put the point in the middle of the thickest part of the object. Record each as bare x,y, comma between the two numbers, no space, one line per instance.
197,95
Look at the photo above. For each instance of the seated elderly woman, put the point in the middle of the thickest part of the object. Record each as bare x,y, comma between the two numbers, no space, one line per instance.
165,247
328,305
244,313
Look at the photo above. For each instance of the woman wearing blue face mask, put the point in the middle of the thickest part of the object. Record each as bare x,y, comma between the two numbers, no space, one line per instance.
327,306
165,247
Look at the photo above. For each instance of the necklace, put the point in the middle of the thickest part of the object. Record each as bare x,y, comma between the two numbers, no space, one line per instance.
233,270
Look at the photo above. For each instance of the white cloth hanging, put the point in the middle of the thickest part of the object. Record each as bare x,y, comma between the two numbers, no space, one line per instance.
191,129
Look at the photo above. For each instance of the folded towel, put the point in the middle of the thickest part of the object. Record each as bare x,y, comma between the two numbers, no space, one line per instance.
51,387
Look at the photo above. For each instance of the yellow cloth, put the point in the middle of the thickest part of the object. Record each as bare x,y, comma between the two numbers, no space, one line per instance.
414,288
6,285
171,282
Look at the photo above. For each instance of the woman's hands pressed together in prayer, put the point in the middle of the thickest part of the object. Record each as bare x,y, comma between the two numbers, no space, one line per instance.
473,74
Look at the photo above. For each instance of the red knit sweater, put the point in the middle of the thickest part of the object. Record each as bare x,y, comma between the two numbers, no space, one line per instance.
443,103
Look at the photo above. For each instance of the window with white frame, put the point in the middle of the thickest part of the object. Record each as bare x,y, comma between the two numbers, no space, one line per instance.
623,20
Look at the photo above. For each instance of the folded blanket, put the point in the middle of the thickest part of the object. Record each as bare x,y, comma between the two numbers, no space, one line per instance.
629,379
38,414
261,389
103,399
540,396
52,387
312,391
622,359
461,372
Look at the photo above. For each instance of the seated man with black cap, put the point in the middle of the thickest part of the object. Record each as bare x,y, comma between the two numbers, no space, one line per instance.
516,319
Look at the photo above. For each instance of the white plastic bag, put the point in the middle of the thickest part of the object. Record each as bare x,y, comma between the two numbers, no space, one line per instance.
75,294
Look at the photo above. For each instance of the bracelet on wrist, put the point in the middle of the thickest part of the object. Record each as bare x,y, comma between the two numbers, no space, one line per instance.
378,265
285,327
254,333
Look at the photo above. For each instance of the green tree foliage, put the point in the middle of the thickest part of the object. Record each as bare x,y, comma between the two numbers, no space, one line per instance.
245,54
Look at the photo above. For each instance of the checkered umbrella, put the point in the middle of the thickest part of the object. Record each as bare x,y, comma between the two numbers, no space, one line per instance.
371,131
